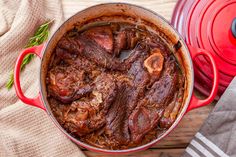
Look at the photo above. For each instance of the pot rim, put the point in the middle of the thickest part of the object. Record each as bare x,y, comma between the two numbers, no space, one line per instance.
134,149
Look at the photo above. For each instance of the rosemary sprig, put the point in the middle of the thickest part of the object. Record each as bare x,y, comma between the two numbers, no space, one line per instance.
39,37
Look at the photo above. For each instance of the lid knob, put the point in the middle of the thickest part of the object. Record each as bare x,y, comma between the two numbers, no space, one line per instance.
233,28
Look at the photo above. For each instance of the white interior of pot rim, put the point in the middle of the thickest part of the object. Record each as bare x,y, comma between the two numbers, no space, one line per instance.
137,15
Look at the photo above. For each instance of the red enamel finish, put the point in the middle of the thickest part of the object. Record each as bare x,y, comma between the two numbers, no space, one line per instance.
30,101
208,25
195,102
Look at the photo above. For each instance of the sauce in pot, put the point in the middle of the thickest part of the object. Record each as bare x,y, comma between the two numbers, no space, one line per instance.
114,86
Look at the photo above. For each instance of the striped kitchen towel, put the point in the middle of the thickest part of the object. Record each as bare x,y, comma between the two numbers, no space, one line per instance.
217,137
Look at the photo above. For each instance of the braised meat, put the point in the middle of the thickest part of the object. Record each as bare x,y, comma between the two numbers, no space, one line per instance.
85,116
149,111
114,86
67,84
102,36
116,126
141,78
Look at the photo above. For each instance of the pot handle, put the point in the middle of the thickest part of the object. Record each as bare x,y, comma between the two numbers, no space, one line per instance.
195,102
31,101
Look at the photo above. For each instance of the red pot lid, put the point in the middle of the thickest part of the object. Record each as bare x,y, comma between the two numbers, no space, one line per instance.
210,25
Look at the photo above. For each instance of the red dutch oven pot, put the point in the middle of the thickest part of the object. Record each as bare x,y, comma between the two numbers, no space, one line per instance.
121,12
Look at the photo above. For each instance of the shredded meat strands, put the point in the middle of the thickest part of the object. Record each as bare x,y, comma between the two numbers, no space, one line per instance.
115,86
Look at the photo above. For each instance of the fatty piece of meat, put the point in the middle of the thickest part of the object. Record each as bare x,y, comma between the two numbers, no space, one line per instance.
140,80
143,120
88,115
102,35
125,102
141,76
116,122
67,84
149,111
73,59
163,90
99,55
90,50
63,54
71,45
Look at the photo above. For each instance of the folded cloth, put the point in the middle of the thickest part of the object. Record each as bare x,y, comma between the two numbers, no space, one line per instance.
25,130
217,136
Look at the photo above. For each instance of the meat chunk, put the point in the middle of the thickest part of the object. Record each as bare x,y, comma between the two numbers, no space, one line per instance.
85,116
66,85
163,90
71,45
90,50
69,58
142,120
149,111
102,35
73,78
140,79
125,102
105,86
82,118
117,124
173,109
64,55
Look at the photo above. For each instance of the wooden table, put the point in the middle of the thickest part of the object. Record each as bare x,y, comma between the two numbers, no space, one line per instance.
175,143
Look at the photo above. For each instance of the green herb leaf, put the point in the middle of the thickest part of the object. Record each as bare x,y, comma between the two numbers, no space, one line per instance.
39,37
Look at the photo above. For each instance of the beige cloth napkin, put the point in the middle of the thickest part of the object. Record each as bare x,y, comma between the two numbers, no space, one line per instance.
25,130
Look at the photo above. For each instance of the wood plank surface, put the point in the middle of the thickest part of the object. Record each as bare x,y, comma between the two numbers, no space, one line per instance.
175,143
147,153
162,7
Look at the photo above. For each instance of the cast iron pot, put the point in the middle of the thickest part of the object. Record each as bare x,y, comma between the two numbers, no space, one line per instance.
121,12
